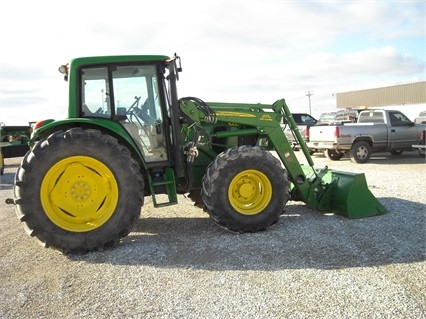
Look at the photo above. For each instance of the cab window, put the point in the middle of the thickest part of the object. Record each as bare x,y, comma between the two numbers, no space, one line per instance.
95,93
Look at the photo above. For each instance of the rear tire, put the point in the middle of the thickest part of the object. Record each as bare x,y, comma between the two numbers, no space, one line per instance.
78,191
360,152
333,155
245,189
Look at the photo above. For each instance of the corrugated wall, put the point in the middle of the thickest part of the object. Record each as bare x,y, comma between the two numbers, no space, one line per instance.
412,93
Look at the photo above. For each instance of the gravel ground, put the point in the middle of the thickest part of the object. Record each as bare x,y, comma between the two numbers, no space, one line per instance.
177,264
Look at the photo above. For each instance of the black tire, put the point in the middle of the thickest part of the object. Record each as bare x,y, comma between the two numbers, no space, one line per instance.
1,162
422,152
78,191
396,152
245,189
360,152
333,155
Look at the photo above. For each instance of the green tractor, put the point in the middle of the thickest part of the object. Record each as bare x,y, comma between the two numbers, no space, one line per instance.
13,142
82,184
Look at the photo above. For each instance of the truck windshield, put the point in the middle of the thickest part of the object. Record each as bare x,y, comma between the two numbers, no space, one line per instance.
303,119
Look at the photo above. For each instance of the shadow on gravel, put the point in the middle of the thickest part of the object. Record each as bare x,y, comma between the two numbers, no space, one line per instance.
301,239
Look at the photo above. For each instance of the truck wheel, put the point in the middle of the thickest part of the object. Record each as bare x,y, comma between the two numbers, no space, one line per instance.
1,162
333,155
245,189
396,152
360,152
78,191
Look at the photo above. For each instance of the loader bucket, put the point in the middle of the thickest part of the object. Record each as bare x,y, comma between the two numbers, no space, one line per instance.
347,194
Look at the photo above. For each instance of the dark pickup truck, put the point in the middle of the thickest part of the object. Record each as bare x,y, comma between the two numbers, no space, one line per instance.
303,121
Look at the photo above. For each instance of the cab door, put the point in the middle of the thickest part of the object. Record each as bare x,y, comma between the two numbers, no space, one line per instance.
402,132
129,93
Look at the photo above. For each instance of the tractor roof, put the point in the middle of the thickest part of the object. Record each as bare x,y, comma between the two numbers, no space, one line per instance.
117,59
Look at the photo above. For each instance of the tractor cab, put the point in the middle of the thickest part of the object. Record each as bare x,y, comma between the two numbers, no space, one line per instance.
130,94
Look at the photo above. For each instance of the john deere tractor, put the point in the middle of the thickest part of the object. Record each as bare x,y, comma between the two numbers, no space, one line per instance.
128,135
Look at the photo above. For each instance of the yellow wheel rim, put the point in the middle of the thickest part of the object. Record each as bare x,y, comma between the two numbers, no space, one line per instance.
250,192
79,194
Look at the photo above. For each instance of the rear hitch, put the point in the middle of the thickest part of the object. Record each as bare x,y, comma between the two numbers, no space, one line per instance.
10,201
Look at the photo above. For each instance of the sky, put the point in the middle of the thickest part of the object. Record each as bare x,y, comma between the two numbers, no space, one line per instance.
252,51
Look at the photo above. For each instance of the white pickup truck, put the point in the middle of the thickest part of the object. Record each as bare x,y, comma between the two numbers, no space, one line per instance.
375,131
421,119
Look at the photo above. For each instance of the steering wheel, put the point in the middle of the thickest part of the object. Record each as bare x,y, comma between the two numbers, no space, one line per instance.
134,105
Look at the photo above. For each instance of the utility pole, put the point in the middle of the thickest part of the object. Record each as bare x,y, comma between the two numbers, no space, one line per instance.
309,94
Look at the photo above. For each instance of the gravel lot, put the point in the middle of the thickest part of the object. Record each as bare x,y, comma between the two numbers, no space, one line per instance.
178,264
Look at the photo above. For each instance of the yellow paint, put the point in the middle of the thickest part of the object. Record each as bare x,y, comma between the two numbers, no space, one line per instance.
79,194
250,192
234,114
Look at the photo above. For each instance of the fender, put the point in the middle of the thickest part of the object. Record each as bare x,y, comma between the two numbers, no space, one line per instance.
45,128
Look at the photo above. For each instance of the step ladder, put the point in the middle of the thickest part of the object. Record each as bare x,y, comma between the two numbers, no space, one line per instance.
167,180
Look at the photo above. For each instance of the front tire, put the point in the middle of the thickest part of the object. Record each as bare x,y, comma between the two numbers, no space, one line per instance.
245,189
360,152
78,191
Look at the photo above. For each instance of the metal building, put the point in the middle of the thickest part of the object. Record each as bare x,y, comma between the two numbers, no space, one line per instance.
408,98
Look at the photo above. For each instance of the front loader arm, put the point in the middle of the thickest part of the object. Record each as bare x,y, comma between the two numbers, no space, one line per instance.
257,119
323,189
